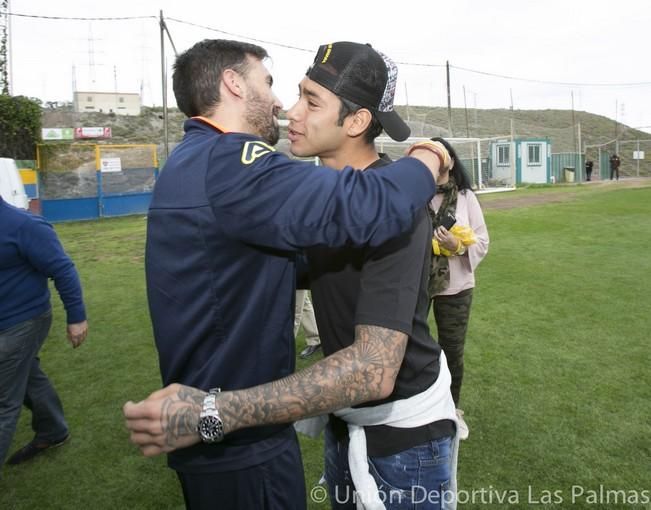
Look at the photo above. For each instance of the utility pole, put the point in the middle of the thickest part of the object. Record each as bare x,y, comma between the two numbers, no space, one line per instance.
5,48
573,122
512,155
616,109
576,161
513,149
164,85
465,107
582,163
115,87
407,101
447,72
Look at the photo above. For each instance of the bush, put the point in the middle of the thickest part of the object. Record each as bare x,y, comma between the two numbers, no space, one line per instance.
20,126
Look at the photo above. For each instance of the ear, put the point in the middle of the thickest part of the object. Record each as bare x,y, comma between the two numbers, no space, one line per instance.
359,122
233,83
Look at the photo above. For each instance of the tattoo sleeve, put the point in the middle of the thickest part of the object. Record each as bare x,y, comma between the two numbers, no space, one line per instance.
180,414
363,372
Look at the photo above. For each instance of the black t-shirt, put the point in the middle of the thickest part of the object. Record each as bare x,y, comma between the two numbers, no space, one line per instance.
384,286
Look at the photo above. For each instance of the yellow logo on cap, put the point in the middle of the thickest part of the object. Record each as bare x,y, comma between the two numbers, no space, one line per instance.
327,54
255,150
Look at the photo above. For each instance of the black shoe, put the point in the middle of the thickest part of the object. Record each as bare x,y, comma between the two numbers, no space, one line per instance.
309,350
33,448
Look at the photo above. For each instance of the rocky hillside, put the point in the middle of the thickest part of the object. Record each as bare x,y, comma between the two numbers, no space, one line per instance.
424,121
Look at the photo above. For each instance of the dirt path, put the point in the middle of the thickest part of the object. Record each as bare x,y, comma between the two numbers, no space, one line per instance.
507,201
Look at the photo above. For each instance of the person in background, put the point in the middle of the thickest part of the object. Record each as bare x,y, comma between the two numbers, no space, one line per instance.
30,254
588,169
452,277
304,316
614,166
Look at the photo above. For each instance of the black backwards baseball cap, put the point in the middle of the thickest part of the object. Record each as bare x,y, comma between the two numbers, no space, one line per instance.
333,69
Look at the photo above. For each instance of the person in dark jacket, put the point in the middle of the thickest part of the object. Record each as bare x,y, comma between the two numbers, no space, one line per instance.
588,170
30,254
614,166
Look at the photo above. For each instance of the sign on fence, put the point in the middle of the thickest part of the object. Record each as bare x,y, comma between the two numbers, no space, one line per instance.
92,132
638,154
111,165
56,134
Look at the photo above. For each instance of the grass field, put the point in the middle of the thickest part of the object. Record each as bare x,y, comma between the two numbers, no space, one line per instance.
558,371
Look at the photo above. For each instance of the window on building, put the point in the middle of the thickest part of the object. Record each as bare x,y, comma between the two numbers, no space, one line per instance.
534,154
89,99
503,155
121,100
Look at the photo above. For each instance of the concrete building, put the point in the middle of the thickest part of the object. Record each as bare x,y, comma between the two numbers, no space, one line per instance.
107,102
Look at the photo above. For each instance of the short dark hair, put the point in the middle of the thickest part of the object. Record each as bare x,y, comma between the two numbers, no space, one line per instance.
458,171
198,70
347,108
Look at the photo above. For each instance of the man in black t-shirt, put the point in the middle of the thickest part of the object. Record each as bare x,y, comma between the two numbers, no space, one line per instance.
375,297
383,374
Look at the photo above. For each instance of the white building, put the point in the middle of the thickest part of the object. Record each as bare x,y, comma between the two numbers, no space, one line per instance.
107,102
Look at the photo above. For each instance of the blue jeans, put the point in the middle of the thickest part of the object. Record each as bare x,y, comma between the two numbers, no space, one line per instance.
23,382
414,479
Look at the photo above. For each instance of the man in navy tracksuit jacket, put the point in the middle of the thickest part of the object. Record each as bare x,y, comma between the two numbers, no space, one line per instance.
30,253
227,216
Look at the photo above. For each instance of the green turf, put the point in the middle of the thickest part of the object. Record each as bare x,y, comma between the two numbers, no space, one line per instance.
557,386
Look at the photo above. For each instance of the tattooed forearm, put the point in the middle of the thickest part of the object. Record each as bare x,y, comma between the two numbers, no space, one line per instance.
363,372
180,414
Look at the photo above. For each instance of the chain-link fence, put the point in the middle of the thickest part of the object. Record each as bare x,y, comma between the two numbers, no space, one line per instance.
85,181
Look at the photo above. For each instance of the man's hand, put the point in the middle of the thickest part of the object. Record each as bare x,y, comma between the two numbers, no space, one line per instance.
166,420
77,333
433,154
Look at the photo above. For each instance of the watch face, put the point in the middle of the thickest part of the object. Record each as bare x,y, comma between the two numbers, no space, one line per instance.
211,429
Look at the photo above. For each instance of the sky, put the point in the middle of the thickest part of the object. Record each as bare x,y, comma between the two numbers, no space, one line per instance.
552,54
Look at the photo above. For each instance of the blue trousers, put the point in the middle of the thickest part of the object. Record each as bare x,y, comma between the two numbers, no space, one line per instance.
277,484
23,382
414,479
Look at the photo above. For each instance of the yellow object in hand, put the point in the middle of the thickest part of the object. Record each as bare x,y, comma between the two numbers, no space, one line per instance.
464,234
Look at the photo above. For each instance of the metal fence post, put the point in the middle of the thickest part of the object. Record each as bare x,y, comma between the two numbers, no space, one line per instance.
100,192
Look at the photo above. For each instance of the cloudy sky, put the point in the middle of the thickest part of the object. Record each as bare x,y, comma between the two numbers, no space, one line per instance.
534,53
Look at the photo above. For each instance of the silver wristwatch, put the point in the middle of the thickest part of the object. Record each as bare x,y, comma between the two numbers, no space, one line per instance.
211,427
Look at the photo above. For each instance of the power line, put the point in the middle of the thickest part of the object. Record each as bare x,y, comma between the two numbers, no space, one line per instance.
298,48
571,84
282,45
79,19
273,43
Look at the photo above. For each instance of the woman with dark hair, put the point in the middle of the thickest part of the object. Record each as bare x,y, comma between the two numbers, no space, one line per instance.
452,277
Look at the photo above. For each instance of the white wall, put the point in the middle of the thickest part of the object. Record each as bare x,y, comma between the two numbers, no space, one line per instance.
107,102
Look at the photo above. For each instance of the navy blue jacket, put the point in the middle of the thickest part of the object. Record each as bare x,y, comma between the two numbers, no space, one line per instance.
227,214
30,253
